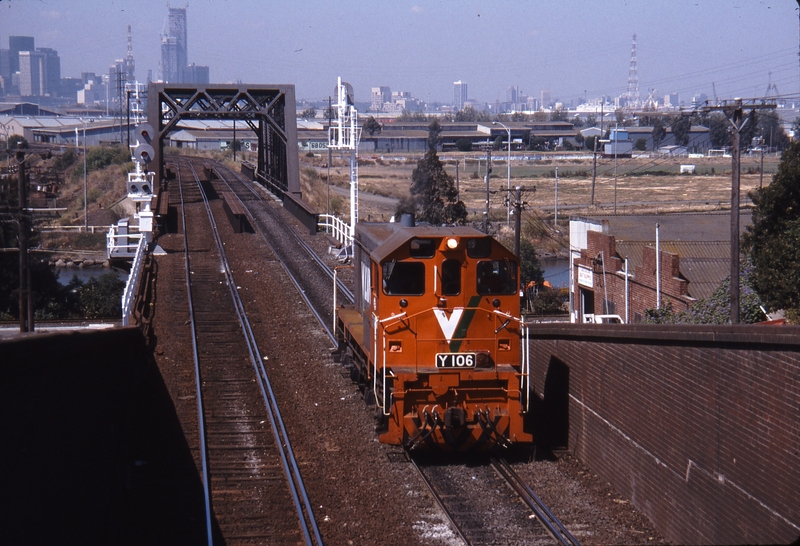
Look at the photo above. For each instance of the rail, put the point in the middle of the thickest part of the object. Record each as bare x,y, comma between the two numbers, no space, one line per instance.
551,523
289,462
132,285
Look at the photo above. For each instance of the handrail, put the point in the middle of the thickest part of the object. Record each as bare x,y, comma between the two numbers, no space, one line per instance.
341,230
132,285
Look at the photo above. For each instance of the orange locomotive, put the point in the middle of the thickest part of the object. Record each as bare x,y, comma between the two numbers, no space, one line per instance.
435,336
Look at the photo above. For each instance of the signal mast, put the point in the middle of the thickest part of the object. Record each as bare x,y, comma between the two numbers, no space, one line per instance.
344,134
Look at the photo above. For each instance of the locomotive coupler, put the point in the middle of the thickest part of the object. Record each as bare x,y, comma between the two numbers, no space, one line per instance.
454,417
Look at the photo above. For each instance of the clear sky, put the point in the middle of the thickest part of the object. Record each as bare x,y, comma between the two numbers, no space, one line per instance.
573,48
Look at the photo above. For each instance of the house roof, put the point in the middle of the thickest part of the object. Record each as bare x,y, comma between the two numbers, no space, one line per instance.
703,264
696,226
701,240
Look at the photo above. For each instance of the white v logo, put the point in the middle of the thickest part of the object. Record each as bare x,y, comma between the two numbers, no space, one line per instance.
448,325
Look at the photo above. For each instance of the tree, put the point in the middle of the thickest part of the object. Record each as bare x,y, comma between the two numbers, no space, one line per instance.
372,127
467,114
796,128
309,113
434,197
17,141
659,132
102,297
715,309
719,130
681,126
640,144
770,130
559,114
530,267
591,120
464,145
773,239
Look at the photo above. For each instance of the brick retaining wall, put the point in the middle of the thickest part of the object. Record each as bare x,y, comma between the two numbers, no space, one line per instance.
699,426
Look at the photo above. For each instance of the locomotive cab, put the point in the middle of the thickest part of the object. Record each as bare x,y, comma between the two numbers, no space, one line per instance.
435,333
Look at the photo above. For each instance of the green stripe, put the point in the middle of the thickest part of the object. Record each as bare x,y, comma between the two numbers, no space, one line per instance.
463,325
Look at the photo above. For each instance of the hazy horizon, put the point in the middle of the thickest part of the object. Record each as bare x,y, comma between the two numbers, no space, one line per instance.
571,48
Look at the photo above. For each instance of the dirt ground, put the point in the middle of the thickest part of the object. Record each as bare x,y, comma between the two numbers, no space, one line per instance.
647,184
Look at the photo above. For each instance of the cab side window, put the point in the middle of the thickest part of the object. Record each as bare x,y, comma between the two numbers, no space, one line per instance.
403,278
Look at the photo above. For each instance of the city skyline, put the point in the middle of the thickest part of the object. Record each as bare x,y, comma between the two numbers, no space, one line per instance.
739,47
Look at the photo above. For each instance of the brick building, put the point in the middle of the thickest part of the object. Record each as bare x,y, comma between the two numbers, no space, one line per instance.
694,260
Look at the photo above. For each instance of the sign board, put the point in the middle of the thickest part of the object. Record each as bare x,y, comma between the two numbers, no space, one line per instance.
585,277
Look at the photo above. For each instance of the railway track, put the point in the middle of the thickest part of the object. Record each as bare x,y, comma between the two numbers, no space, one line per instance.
477,501
252,485
311,275
533,521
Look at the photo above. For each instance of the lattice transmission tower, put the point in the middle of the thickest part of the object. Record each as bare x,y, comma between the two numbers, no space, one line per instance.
633,79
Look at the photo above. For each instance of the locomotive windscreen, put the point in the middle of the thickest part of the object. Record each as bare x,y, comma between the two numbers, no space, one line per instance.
496,277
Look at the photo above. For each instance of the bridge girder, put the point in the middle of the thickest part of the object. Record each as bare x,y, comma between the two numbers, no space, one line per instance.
269,110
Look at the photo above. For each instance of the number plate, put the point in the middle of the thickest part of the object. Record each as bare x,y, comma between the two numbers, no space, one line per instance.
455,360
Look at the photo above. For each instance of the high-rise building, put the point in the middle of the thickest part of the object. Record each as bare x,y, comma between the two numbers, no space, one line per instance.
15,45
39,73
459,94
546,99
380,95
174,48
51,71
5,71
130,63
197,74
30,73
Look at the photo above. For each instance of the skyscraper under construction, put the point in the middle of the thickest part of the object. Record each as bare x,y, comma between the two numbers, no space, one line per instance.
174,50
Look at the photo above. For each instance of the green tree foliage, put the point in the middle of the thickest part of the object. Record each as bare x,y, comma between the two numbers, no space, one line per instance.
719,130
640,144
100,157
405,115
519,117
530,267
372,127
17,141
716,309
589,143
773,239
102,297
796,128
659,132
749,130
65,160
770,130
559,114
464,145
681,126
591,120
309,113
434,197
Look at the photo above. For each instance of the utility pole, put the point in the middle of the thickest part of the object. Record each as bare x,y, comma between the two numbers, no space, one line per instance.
517,221
734,111
488,172
594,166
328,179
25,300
